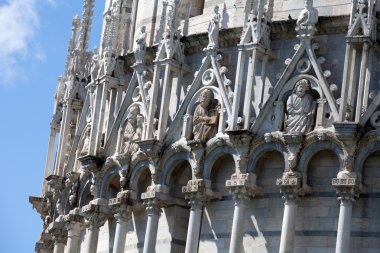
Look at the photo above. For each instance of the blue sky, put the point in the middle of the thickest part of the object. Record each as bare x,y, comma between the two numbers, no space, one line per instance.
34,37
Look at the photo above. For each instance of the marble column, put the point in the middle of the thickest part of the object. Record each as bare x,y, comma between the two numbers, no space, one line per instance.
242,187
290,188
96,214
56,229
153,212
347,191
195,191
123,210
236,244
74,226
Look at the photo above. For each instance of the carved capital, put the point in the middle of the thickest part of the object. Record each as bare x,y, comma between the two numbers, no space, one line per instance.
243,187
290,188
57,230
197,192
96,213
91,163
152,206
347,187
121,206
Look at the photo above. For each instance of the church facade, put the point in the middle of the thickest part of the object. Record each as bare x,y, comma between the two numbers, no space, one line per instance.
217,126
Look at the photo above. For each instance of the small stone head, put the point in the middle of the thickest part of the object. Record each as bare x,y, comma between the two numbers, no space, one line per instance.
301,88
93,190
216,9
308,4
96,50
72,200
132,114
142,29
206,97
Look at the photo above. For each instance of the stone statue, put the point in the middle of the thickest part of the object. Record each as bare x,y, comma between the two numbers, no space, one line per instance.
301,108
86,143
213,29
308,16
95,64
132,131
141,47
205,120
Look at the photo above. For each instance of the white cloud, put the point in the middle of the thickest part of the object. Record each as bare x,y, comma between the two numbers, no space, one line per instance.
18,24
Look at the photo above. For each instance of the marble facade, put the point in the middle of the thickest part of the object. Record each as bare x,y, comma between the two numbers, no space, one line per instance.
217,126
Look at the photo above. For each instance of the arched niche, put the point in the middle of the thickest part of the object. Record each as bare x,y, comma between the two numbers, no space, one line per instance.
140,177
221,171
371,172
323,166
84,193
323,115
172,162
262,149
363,153
110,184
179,175
310,151
214,156
187,131
132,122
269,166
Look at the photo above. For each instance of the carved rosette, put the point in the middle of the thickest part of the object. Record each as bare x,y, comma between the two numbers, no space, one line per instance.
243,187
290,188
197,192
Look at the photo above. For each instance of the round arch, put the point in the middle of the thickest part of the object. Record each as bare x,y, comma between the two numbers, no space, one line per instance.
170,165
214,155
314,148
257,153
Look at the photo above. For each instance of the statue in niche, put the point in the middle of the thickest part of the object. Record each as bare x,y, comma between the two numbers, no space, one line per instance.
95,65
86,143
308,16
301,109
132,131
141,47
205,120
213,29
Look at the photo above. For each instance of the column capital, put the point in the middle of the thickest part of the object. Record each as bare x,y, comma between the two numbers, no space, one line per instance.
96,213
290,187
152,206
243,186
347,188
45,244
197,192
58,232
121,206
